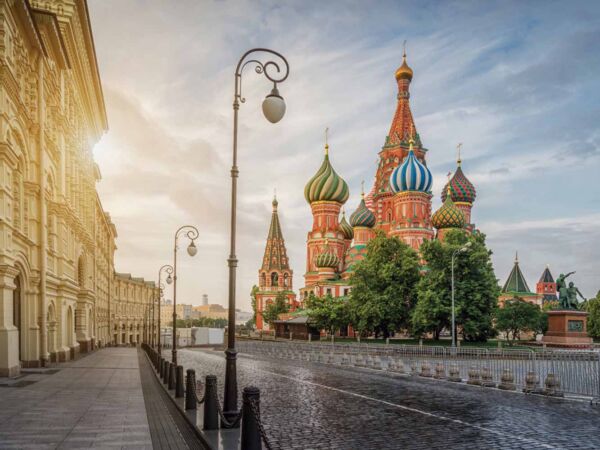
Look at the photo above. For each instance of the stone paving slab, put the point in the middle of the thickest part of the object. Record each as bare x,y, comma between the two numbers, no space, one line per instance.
94,402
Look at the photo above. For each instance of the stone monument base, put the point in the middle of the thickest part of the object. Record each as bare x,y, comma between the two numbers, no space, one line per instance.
567,328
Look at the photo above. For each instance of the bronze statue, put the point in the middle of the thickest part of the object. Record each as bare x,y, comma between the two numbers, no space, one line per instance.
567,296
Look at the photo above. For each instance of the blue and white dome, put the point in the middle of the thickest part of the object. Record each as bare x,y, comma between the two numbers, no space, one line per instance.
411,175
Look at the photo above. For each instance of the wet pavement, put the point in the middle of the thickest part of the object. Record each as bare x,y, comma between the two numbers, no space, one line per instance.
315,406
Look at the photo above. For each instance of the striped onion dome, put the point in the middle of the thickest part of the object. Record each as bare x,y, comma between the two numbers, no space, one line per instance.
411,175
327,258
326,185
448,216
461,189
362,217
345,227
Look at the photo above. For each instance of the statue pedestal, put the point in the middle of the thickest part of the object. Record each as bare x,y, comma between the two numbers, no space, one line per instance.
567,328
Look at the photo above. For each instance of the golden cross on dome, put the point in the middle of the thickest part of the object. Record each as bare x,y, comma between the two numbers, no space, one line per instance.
362,189
404,49
458,149
411,140
327,140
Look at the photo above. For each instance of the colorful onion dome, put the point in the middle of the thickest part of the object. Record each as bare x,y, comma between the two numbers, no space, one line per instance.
448,216
327,258
461,189
345,227
404,72
411,175
362,217
326,185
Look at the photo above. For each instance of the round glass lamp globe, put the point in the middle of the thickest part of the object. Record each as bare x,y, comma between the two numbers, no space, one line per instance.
273,106
169,279
192,250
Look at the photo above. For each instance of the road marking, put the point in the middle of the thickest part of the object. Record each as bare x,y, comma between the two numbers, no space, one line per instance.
408,408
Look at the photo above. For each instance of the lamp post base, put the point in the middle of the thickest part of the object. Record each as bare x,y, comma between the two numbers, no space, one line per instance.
174,356
230,398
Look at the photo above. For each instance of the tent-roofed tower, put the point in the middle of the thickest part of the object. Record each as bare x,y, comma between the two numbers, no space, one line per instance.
275,275
516,286
546,286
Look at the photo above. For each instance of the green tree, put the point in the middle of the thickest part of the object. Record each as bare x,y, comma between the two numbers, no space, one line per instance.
518,316
328,313
593,324
279,306
252,322
476,288
384,286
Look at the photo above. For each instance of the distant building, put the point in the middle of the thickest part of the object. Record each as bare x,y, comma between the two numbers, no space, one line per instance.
516,286
213,311
204,299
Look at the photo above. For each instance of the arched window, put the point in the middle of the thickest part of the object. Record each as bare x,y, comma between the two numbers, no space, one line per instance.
81,271
263,279
285,279
274,279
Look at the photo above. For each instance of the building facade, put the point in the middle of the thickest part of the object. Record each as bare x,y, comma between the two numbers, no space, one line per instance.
275,274
398,204
58,288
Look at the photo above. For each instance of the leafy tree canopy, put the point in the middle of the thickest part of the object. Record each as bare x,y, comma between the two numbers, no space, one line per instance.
518,316
476,287
384,286
272,311
328,313
593,308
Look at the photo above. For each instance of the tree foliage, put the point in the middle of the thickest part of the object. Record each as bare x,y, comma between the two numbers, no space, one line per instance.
384,286
476,288
201,322
252,322
272,310
592,306
328,313
518,316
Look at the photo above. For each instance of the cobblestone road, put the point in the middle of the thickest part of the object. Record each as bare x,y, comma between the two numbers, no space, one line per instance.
314,406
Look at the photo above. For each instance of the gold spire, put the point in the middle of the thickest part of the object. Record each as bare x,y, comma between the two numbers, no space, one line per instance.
411,140
458,148
362,189
326,141
404,72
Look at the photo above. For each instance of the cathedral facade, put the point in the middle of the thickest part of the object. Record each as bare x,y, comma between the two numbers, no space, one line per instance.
59,294
399,204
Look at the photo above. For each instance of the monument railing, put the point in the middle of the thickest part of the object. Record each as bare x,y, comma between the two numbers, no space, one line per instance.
557,372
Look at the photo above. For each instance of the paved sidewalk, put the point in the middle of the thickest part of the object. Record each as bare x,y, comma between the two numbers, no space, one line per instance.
96,401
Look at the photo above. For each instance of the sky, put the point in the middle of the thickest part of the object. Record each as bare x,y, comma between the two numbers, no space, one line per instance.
518,83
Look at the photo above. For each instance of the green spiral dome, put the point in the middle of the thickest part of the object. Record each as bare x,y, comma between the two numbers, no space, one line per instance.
448,216
362,217
327,259
326,185
345,228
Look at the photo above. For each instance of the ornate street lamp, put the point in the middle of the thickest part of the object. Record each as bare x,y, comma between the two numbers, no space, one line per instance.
463,249
169,270
273,108
192,233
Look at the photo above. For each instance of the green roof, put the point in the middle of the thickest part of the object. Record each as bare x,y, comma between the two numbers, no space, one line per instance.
516,281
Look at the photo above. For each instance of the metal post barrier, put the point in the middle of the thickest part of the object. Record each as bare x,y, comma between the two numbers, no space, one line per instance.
251,439
171,383
167,372
190,389
162,369
211,408
179,389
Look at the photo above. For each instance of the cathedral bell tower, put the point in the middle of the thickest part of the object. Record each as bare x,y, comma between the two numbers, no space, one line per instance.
275,275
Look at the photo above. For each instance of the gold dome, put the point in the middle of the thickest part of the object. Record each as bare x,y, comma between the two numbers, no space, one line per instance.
404,72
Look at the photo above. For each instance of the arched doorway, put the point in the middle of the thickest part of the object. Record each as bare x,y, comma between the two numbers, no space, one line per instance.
18,313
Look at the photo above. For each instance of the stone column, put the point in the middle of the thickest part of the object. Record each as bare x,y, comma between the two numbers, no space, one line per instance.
9,334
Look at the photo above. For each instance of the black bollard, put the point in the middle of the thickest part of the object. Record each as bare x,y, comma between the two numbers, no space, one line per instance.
179,391
190,389
211,408
166,373
161,368
251,439
172,374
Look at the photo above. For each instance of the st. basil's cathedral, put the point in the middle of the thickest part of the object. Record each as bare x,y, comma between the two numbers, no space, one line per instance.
399,204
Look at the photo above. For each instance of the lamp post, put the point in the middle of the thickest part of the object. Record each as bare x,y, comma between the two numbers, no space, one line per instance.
192,233
273,109
156,300
463,249
169,270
